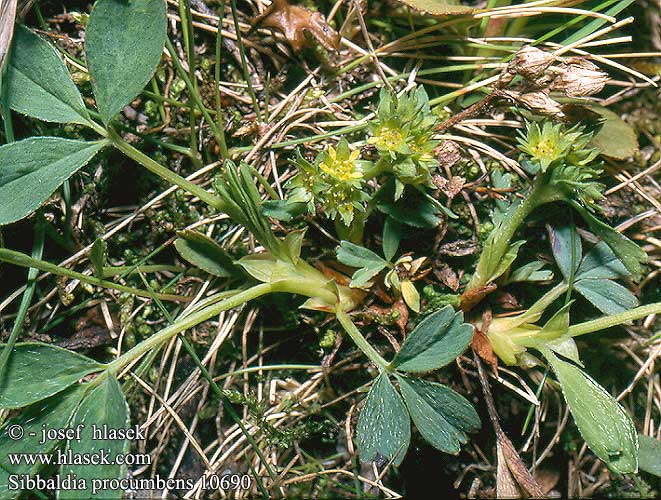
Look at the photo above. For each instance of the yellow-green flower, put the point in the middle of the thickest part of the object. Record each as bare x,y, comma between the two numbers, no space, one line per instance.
388,138
333,185
553,144
402,133
342,169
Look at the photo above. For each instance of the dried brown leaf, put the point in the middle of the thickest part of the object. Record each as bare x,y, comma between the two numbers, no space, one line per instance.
472,297
299,25
446,275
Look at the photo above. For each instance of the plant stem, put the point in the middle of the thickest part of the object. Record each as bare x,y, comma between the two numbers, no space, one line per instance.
109,272
360,341
244,62
614,320
20,259
189,44
499,241
165,173
187,322
28,294
219,108
218,132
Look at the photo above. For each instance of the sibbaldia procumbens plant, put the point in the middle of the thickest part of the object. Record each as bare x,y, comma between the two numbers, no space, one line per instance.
389,177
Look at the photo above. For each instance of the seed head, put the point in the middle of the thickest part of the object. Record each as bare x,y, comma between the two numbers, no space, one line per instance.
539,102
579,78
531,62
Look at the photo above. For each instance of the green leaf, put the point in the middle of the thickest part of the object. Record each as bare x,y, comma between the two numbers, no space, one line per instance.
123,43
603,423
532,271
442,416
283,210
370,264
39,84
98,257
104,405
601,262
649,457
506,260
626,250
53,413
606,295
36,371
384,427
412,209
357,256
439,7
567,249
32,169
616,138
392,236
293,243
566,346
435,342
203,252
558,324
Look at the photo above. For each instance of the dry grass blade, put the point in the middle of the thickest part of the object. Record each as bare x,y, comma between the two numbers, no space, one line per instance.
517,474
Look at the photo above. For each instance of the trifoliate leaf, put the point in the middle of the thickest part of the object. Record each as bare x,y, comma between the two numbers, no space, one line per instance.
392,236
442,416
616,138
604,424
384,426
37,371
412,209
601,262
283,210
530,272
606,295
370,264
52,413
104,405
567,249
39,84
123,44
631,255
435,342
32,169
649,458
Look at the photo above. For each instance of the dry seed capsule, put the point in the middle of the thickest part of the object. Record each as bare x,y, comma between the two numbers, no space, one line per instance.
579,78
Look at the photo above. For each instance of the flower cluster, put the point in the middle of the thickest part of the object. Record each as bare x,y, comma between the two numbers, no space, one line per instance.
552,144
566,154
333,183
402,134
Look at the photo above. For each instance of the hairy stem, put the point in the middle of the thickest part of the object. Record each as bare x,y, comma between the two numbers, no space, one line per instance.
20,259
614,320
194,319
499,241
360,341
165,173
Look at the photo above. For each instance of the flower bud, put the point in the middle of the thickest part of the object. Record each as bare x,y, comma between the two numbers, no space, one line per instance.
530,62
579,78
